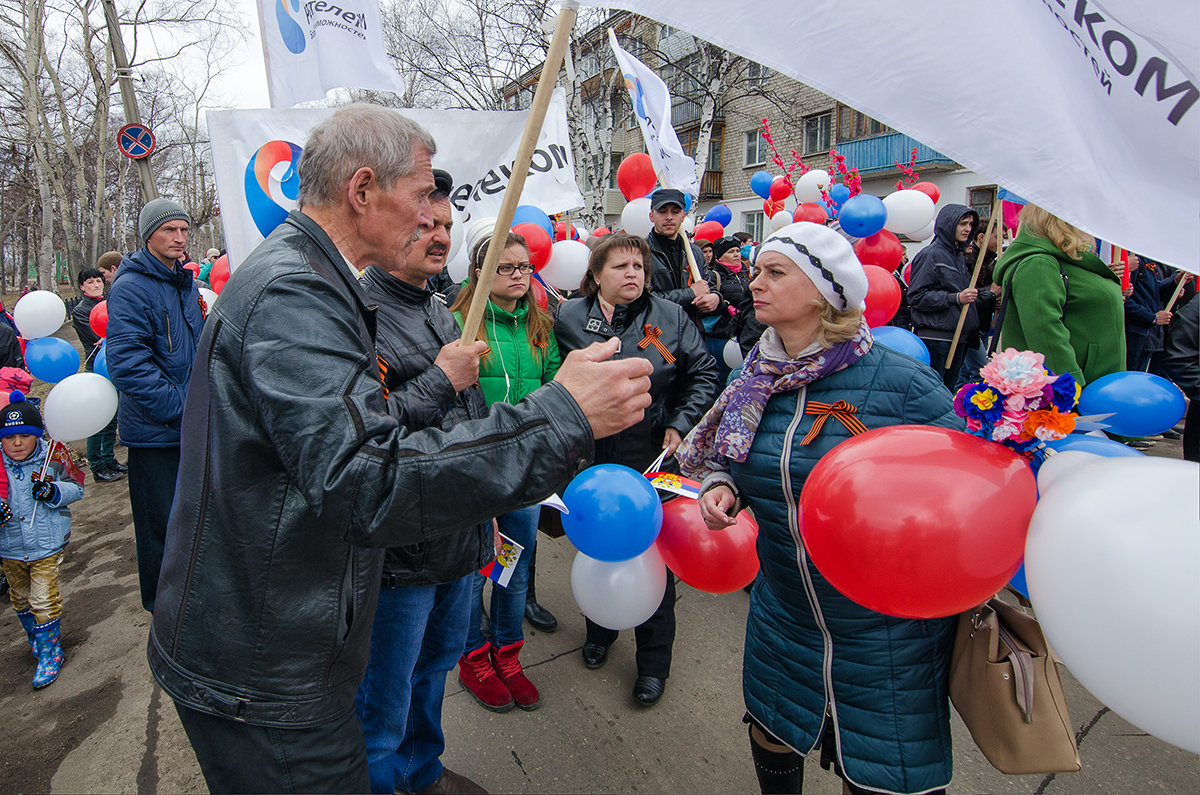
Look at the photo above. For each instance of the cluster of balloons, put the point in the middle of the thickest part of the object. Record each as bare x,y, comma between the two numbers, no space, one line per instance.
80,404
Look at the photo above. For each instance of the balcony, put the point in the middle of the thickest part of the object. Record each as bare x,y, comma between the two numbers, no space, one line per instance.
878,154
710,186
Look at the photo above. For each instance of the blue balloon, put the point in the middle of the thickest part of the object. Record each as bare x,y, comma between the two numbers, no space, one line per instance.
1096,445
1141,404
721,214
838,194
901,340
687,202
51,359
615,514
528,214
760,183
862,215
1018,582
100,360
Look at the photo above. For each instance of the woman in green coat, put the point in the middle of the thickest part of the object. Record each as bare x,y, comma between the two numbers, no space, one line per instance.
1063,301
522,355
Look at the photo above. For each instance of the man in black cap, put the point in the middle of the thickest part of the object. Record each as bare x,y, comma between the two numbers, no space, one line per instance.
154,323
670,275
424,603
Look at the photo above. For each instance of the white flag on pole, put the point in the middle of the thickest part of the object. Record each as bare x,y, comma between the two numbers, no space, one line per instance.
1090,108
652,105
312,46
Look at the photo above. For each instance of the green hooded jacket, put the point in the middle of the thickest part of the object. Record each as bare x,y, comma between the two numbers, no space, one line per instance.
1078,325
513,368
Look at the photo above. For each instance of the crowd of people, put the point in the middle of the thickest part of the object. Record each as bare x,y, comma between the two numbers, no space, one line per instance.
291,448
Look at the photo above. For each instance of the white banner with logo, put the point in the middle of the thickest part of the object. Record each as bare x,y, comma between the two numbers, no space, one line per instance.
312,46
652,104
256,153
1086,107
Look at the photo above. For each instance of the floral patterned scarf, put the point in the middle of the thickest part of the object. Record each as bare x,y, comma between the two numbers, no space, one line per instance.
728,428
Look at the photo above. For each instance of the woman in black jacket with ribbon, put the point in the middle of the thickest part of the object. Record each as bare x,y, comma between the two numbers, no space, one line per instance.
617,303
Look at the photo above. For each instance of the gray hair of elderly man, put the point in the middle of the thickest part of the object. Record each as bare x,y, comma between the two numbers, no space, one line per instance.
355,137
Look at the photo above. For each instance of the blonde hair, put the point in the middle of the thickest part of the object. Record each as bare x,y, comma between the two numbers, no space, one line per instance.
837,325
1066,238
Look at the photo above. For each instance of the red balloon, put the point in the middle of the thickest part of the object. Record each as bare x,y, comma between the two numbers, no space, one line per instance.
917,521
711,231
811,212
560,231
98,318
601,231
780,189
539,243
194,267
883,295
635,176
539,294
719,561
908,273
929,189
219,273
770,207
882,248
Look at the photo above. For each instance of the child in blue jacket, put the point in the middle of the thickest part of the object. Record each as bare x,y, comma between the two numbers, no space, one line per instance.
36,525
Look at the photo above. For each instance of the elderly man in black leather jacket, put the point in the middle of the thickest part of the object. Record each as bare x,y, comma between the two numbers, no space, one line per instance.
294,476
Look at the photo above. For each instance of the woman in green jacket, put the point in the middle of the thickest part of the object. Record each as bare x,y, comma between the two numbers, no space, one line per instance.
1063,301
522,356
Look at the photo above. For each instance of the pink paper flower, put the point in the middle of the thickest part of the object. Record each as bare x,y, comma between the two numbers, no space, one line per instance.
1021,375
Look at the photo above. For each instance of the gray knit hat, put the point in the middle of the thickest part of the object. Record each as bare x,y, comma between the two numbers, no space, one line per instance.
156,213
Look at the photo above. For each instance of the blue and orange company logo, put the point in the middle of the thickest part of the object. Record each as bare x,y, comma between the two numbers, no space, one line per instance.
266,209
289,29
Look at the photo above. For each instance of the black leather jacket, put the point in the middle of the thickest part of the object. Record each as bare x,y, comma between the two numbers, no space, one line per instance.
681,391
669,270
412,327
293,479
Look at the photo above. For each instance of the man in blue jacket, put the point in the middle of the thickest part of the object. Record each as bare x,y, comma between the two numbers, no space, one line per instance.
154,323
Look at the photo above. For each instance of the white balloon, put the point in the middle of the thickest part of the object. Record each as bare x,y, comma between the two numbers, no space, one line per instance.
1113,575
477,231
689,224
456,234
209,297
781,219
635,218
808,187
908,211
79,406
924,233
39,314
1061,464
568,262
621,594
457,267
732,354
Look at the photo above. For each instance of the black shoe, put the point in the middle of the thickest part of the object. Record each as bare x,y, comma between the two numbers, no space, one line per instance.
117,465
594,655
647,690
105,473
539,617
1171,433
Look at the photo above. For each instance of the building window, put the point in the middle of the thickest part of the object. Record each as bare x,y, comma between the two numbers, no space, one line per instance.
756,148
754,223
982,200
817,133
614,163
851,125
757,75
688,139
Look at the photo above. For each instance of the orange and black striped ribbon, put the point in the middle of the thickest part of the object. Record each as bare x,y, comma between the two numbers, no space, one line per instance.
383,371
651,338
841,410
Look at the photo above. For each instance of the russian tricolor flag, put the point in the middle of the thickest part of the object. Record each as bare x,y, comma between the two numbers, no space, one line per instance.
500,570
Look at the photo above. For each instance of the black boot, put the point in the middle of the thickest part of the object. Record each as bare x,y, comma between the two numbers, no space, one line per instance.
538,617
777,772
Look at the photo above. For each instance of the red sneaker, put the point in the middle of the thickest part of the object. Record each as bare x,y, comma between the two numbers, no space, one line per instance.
508,667
476,673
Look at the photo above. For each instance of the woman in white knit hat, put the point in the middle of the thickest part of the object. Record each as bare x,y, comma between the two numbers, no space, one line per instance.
821,671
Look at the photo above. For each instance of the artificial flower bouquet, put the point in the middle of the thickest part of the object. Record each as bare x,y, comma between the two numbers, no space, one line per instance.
1019,403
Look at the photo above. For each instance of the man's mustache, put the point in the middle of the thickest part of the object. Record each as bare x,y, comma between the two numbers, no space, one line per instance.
437,249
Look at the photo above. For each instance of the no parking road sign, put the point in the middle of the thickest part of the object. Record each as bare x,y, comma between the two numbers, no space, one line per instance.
135,141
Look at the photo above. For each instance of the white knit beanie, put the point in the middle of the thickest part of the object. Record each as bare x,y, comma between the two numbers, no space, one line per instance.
826,258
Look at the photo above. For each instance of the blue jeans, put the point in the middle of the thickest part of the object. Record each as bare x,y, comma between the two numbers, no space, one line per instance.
415,641
100,446
508,604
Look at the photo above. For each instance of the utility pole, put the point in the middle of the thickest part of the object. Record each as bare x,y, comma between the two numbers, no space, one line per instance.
128,100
